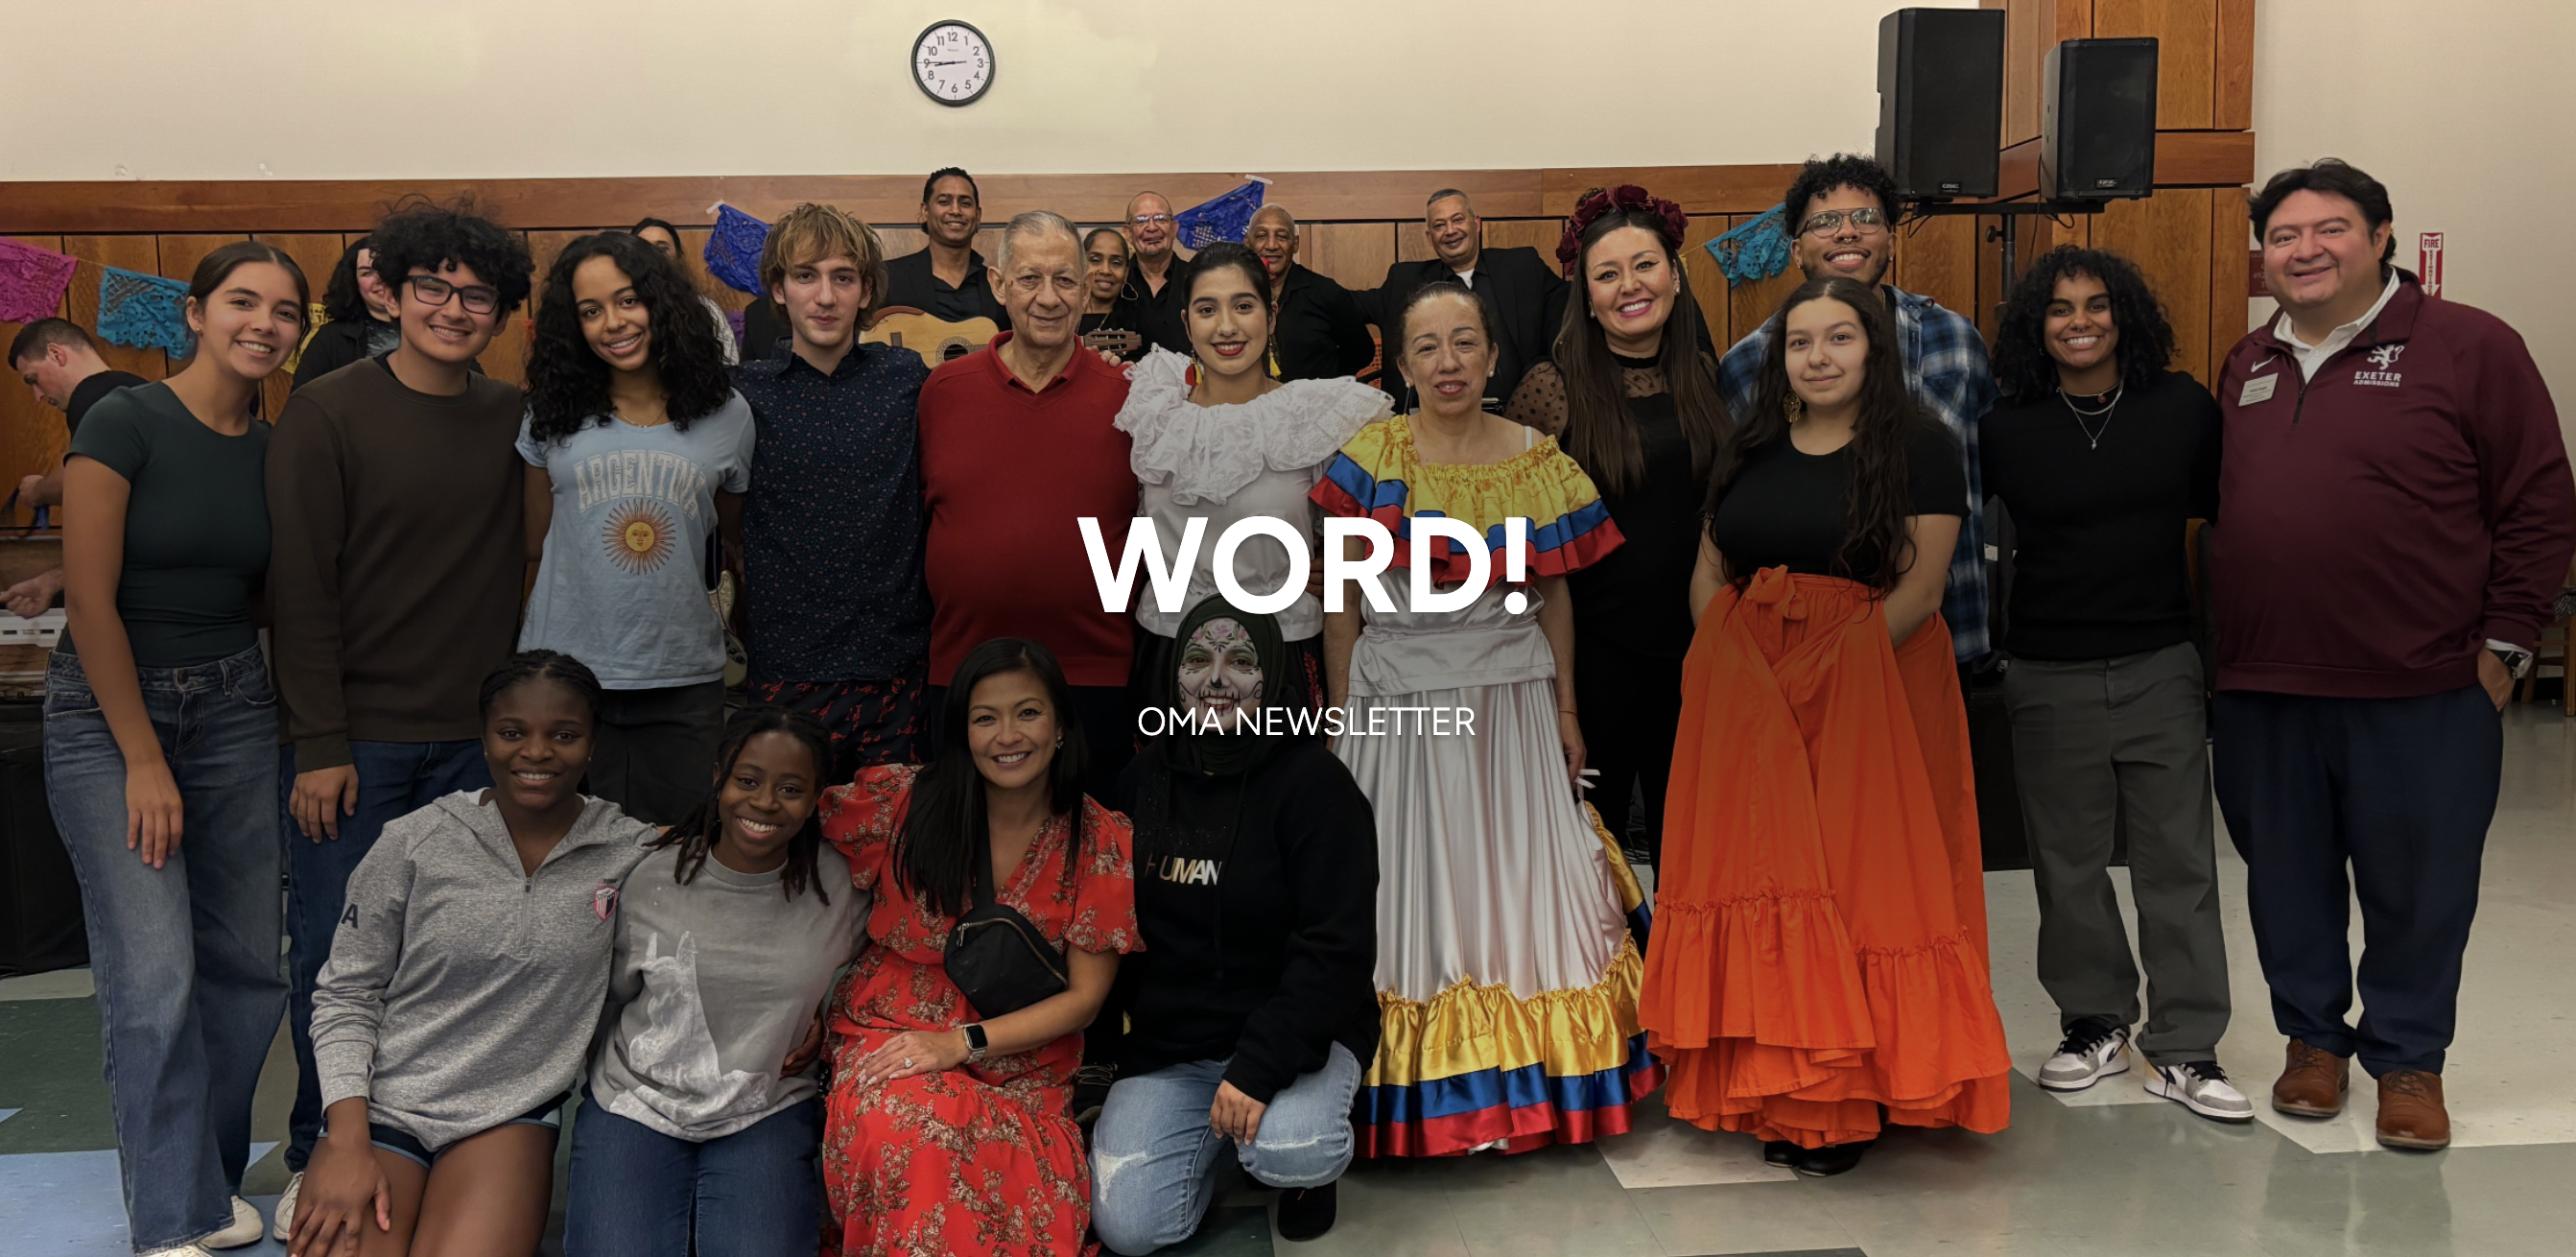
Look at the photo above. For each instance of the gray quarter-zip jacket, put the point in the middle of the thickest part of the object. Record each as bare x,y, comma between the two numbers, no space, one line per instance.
462,991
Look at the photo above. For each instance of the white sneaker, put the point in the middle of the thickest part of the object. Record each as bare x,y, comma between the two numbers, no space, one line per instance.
2202,1087
246,1228
284,1224
2092,1051
180,1250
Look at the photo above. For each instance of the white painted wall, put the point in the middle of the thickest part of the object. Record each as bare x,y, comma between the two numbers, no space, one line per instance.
2464,109
331,89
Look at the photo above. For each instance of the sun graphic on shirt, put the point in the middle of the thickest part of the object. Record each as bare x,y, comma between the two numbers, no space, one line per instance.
638,536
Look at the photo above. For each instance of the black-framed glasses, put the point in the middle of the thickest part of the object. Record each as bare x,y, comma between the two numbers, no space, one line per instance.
434,291
1866,219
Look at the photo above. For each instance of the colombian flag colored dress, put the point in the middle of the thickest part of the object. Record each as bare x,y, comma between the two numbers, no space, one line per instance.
1820,942
1507,984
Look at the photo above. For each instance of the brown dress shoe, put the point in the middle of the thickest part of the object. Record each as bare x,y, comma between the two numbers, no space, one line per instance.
2312,1083
2411,1114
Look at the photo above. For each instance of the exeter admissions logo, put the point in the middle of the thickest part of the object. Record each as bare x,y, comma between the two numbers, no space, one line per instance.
1169,577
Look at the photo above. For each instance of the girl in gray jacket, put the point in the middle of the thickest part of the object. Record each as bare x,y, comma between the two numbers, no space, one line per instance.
464,983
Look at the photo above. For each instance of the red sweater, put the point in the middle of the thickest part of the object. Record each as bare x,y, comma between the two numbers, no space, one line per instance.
1005,472
2378,523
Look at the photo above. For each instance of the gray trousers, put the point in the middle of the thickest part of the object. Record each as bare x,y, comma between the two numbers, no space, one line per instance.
2123,736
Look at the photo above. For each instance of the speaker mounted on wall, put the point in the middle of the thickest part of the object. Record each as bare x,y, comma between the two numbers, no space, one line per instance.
2097,126
1941,101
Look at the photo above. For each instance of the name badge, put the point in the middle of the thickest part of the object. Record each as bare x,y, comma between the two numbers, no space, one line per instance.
2259,389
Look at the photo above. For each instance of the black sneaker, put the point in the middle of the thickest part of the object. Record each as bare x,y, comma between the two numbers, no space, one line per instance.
1091,1090
1779,1152
1830,1160
1306,1212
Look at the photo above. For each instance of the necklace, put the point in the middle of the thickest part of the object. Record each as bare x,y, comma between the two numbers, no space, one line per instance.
2093,435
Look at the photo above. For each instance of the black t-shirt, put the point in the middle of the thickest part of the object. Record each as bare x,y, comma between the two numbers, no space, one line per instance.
1794,510
87,393
196,526
911,282
2098,564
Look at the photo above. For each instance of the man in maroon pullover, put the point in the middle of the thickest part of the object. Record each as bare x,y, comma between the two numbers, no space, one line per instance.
2395,515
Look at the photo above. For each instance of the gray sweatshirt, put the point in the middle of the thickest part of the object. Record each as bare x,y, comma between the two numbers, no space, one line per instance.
714,982
461,991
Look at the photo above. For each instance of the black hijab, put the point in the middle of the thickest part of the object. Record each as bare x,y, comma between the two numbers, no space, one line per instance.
1228,754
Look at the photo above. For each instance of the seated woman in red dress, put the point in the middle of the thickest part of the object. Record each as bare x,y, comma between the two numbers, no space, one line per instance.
948,1131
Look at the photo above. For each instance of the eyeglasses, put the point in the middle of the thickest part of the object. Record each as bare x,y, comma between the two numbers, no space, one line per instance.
476,298
1864,220
1148,220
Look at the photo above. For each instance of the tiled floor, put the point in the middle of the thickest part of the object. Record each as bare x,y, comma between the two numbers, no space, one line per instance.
2107,1173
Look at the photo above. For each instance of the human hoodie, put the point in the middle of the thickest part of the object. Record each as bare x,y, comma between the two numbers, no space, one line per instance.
2380,521
462,991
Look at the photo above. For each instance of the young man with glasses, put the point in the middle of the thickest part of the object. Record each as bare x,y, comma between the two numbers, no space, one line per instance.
1158,280
394,492
1842,210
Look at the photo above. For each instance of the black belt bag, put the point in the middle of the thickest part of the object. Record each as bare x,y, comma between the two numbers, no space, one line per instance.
999,961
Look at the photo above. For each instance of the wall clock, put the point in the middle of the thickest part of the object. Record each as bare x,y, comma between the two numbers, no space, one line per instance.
953,63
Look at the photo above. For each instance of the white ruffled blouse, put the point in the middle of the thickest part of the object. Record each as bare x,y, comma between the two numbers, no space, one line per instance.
1226,463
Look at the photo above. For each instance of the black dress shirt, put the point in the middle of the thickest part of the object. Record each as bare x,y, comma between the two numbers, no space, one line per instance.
832,527
1162,316
911,282
1321,334
1526,292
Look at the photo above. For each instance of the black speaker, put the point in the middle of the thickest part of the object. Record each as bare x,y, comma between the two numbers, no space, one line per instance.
2097,124
1941,100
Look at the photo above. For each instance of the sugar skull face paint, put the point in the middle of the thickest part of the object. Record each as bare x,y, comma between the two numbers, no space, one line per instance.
1220,673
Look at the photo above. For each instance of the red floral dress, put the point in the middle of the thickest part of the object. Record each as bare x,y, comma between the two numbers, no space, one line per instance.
983,1158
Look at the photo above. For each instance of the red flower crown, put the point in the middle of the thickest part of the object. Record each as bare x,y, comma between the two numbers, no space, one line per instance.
1599,201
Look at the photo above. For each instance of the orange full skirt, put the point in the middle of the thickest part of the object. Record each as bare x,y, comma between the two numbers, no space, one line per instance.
1820,932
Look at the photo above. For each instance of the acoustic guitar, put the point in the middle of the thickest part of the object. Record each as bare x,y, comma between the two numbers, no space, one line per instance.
936,340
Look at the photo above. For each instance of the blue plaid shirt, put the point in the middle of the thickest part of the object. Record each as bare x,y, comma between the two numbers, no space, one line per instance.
1946,370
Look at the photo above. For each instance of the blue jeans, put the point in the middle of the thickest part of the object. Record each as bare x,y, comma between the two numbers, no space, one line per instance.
637,1192
394,779
1154,1157
185,956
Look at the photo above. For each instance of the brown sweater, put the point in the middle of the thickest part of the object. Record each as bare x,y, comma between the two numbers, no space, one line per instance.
398,558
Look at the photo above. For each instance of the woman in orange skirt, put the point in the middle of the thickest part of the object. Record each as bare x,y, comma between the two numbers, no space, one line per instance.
1818,967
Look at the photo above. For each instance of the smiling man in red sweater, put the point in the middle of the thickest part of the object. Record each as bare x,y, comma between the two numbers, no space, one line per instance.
2395,515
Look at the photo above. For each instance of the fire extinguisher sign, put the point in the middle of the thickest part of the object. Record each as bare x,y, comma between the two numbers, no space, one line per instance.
2428,262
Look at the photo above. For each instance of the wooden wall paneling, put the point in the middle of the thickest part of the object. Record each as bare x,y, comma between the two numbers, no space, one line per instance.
1707,282
31,433
1748,304
506,358
693,243
133,253
1354,255
1540,234
2031,28
2186,34
179,255
316,253
1748,189
2233,86
2229,238
2167,235
1937,257
1412,244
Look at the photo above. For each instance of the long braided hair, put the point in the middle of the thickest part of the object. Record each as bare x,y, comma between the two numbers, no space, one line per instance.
696,834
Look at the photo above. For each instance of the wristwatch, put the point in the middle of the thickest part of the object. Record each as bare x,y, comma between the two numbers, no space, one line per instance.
976,1043
2516,660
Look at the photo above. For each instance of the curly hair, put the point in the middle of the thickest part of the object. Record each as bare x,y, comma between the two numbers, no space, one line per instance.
341,300
1600,431
698,833
568,380
1842,170
423,233
2023,369
1878,548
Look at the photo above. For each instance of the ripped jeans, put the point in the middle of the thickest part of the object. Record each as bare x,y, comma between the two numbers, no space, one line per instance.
1154,1157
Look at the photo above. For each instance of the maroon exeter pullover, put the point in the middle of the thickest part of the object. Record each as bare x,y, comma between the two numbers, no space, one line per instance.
2378,523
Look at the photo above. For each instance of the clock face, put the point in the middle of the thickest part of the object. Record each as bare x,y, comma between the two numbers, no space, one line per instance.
953,63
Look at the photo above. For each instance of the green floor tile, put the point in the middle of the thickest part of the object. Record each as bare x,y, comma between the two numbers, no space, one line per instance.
49,1067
